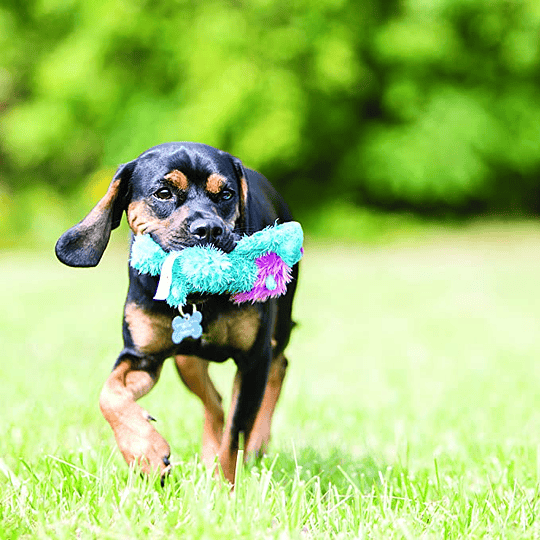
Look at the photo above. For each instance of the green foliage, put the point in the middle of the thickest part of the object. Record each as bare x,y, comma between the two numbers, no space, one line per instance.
416,104
458,107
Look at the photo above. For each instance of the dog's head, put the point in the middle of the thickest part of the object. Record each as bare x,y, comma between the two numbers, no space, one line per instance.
182,194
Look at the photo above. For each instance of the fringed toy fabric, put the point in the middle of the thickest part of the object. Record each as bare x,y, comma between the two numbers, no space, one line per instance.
258,268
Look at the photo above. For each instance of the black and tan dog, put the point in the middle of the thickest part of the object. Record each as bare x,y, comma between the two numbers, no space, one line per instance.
185,194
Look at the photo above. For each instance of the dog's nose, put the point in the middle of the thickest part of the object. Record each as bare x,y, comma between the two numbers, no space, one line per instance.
206,230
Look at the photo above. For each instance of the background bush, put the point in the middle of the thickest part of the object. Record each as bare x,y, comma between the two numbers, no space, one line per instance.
425,106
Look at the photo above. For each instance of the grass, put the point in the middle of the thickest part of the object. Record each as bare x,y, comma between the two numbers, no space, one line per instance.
411,407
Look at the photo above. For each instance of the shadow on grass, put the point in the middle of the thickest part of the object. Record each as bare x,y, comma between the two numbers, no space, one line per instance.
341,472
334,468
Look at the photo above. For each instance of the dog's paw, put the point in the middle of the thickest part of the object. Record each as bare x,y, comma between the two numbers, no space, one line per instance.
143,446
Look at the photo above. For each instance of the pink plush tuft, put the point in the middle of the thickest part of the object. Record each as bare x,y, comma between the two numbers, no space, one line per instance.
271,269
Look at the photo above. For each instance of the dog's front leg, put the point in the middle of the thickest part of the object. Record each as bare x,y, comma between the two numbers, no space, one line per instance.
138,441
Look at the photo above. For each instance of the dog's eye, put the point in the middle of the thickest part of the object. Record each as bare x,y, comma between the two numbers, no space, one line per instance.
226,195
163,194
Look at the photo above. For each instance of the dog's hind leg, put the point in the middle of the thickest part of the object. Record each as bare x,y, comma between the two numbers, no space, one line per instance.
138,441
248,390
259,437
194,373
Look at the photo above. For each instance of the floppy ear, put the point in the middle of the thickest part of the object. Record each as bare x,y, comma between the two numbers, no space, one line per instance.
243,193
83,245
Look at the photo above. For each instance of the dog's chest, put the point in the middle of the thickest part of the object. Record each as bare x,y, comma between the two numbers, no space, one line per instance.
237,329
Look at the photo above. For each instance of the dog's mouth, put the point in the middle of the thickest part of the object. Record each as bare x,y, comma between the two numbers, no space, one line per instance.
177,243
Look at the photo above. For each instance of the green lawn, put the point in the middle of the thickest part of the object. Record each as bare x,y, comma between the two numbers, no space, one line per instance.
411,408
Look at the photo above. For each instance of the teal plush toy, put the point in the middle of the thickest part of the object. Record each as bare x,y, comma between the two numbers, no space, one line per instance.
258,268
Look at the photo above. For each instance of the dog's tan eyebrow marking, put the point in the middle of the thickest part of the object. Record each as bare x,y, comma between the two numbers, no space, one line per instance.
215,183
179,179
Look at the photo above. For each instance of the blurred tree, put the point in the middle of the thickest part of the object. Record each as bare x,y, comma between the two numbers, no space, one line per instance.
430,105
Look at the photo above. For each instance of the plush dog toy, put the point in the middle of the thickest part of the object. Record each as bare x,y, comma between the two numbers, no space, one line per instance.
258,268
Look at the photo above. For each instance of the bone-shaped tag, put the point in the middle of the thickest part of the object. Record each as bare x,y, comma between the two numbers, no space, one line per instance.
187,326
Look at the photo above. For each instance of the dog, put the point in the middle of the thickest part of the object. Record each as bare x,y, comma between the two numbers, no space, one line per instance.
188,194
